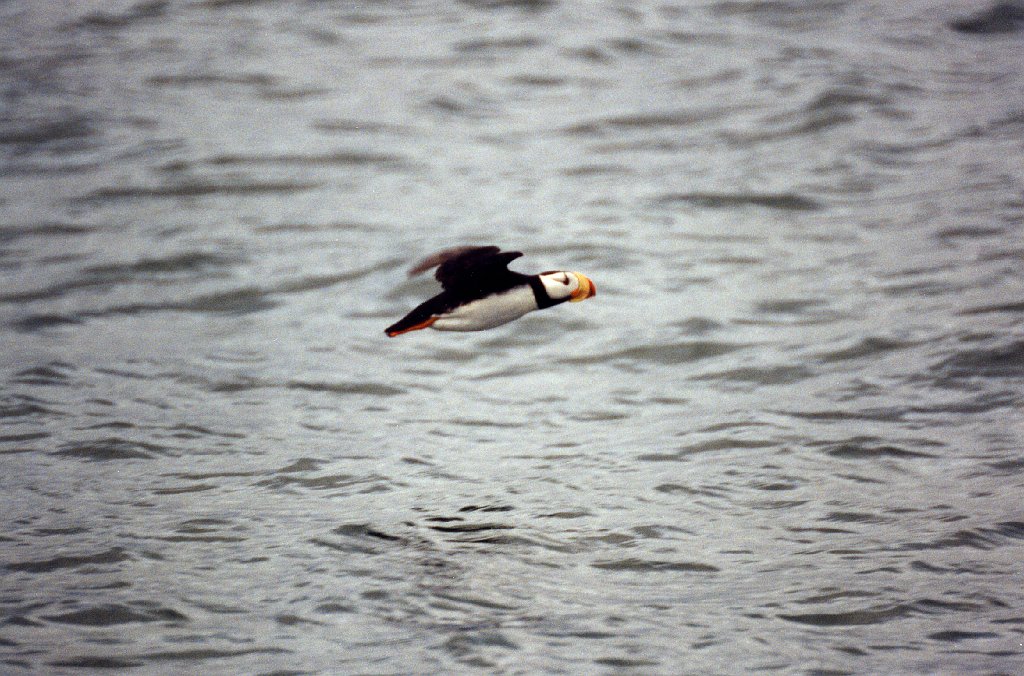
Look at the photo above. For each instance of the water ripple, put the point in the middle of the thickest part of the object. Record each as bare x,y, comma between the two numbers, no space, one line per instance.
141,11
368,388
868,448
660,353
654,566
110,556
1001,361
1001,17
721,200
115,613
194,189
869,615
111,448
1007,532
14,233
335,158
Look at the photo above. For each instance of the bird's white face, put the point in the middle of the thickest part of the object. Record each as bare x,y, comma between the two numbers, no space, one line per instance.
571,286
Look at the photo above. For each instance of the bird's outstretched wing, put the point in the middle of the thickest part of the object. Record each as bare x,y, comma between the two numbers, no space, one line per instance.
467,266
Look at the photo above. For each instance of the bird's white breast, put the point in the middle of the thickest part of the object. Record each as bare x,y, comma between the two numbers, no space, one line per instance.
489,312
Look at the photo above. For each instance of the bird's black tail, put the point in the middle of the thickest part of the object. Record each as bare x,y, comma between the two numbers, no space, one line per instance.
420,318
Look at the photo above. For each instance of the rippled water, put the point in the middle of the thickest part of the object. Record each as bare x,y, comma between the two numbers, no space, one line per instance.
786,436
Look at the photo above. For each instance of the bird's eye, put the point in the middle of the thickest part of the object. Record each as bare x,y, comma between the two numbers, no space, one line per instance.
565,280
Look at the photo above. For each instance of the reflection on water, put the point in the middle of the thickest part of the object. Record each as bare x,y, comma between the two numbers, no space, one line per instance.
786,436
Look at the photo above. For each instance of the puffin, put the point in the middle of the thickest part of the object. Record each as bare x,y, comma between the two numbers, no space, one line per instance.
479,291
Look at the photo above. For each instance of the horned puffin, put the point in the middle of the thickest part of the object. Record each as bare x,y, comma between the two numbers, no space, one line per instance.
480,292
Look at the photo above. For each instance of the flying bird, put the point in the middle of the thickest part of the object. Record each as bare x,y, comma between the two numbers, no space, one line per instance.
480,292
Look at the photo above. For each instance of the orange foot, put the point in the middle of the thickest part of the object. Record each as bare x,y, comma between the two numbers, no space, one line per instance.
416,327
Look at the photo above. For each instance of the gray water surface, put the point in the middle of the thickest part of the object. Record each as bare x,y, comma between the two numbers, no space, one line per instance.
786,436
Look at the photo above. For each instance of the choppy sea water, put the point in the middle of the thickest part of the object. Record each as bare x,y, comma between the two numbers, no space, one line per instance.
786,436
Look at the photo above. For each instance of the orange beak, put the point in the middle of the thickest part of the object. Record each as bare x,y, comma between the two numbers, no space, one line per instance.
586,289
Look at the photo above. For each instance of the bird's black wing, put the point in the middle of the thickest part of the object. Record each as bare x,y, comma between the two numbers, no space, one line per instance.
470,267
